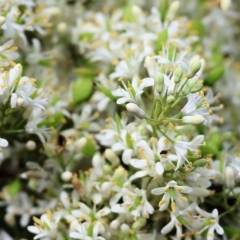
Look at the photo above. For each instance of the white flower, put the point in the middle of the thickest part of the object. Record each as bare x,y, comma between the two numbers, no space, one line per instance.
211,224
82,232
132,92
46,226
134,202
172,192
196,106
181,148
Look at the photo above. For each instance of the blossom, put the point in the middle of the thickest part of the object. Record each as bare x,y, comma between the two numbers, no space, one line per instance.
132,92
172,192
210,223
134,202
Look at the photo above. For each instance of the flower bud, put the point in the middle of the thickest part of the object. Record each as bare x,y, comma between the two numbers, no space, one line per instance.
225,4
178,73
107,169
106,189
112,157
200,163
2,20
197,88
114,224
135,110
159,78
192,82
66,176
140,222
119,172
173,8
80,143
31,145
20,102
62,28
194,119
125,228
229,176
194,68
170,99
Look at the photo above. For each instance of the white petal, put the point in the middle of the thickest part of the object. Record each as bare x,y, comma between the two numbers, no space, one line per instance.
3,142
159,168
158,191
126,156
168,227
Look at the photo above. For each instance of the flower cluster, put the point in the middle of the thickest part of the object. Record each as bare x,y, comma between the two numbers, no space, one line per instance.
119,131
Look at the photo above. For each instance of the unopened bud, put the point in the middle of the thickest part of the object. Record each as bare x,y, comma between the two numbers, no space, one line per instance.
159,78
2,20
80,143
194,119
106,189
62,28
225,4
135,110
31,145
114,224
20,102
192,82
125,228
173,8
170,99
229,176
178,73
107,169
200,163
112,157
119,172
194,67
197,88
10,219
66,176
140,222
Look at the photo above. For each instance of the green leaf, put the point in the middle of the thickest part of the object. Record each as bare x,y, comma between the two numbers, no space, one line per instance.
214,75
82,89
162,38
14,187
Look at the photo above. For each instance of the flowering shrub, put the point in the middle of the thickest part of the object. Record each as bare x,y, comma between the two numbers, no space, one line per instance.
112,124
